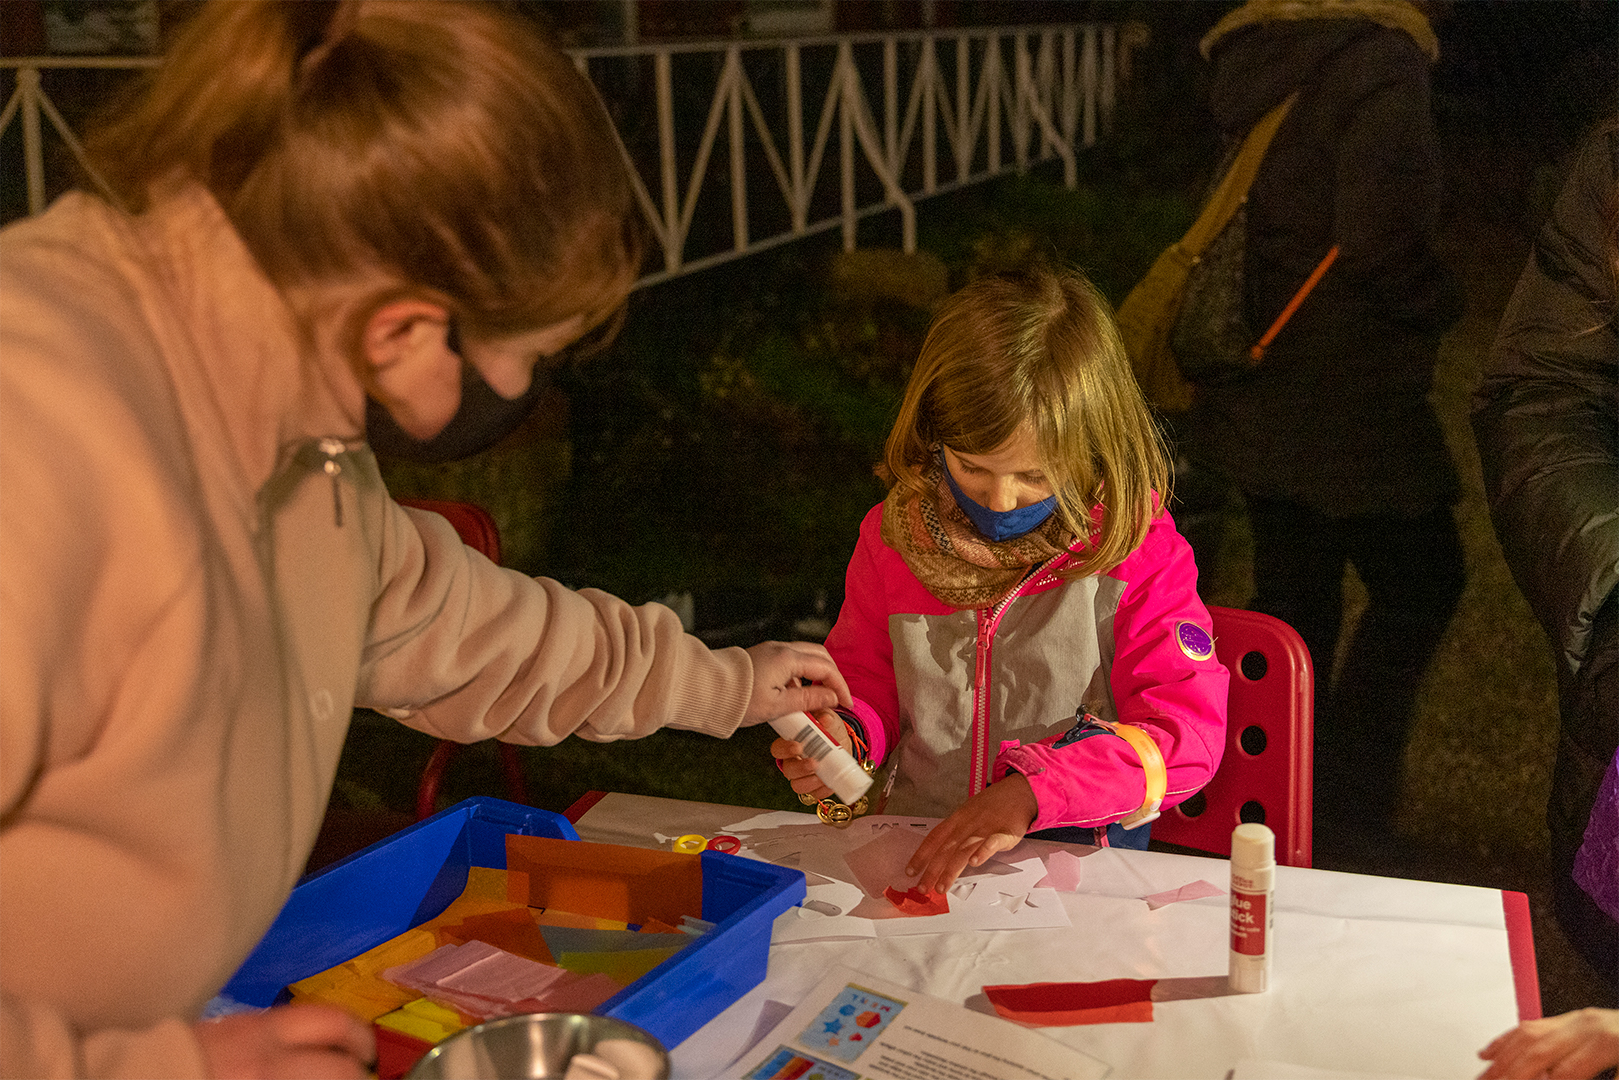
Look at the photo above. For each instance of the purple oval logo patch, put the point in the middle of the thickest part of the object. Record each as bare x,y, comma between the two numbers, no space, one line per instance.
1194,641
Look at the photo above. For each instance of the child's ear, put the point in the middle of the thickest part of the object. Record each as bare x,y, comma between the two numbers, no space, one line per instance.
407,365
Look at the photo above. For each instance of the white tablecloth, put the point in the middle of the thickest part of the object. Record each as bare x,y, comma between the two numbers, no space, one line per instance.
1375,976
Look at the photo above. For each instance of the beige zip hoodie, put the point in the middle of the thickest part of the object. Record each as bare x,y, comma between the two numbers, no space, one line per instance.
200,574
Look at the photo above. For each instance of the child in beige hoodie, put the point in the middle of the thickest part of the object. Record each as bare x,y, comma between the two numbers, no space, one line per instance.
329,210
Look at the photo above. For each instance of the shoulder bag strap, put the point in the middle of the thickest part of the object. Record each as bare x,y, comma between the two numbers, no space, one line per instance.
1234,186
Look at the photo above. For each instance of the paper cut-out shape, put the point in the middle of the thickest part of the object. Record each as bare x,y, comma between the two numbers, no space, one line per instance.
773,819
512,930
481,981
914,901
422,1019
624,966
1056,1004
357,986
1195,890
397,1052
579,995
655,926
880,862
570,939
606,880
500,976
584,922
1062,872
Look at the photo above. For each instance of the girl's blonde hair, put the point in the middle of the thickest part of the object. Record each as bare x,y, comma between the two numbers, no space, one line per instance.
1038,347
446,144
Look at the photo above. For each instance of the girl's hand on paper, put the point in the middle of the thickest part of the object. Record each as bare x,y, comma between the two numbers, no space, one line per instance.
800,770
781,670
1570,1046
291,1042
993,820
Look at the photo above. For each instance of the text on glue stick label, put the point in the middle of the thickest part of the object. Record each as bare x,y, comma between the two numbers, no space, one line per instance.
1248,923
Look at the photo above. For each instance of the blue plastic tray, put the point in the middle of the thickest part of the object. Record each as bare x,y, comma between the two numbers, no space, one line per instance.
379,893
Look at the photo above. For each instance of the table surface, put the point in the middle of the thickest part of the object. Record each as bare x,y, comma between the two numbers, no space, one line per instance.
1375,976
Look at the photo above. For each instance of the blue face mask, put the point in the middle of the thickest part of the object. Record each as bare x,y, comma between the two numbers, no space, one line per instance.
999,524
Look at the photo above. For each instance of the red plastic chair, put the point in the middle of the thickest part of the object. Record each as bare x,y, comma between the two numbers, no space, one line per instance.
1265,775
479,532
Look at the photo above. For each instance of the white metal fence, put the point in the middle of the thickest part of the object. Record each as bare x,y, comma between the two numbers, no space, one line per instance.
29,103
916,114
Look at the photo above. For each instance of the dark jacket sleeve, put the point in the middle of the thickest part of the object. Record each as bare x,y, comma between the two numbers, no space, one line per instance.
1546,413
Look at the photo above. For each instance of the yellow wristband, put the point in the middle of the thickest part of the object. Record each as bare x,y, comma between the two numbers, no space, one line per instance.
1152,768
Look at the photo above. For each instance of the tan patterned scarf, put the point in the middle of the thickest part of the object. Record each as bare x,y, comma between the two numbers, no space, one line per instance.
953,560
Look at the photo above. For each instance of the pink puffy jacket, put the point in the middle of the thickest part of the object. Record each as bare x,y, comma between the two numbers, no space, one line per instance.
964,695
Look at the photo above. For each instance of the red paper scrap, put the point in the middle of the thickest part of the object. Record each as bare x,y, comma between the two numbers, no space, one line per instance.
914,901
397,1052
1059,1004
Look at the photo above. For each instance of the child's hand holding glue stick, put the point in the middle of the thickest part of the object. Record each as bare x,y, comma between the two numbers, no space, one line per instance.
815,754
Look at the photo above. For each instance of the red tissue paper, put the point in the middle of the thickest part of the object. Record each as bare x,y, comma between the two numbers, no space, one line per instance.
1065,1004
397,1052
914,901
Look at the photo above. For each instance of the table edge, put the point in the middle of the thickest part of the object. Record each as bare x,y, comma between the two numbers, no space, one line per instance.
1521,949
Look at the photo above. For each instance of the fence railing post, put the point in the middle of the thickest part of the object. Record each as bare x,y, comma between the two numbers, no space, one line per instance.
33,143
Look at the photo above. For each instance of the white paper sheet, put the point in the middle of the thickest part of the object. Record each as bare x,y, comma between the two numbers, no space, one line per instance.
1380,976
854,1025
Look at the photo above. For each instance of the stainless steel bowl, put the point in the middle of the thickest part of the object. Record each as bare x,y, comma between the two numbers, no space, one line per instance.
540,1046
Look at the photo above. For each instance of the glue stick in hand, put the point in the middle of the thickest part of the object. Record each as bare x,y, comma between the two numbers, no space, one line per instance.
1253,874
835,766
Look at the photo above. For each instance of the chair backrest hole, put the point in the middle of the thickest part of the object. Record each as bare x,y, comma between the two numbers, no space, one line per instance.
1253,665
1251,813
1252,740
1194,806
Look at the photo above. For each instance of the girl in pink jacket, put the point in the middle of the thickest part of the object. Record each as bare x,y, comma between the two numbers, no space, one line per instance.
1021,630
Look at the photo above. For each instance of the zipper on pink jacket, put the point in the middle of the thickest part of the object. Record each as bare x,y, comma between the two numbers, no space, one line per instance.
989,620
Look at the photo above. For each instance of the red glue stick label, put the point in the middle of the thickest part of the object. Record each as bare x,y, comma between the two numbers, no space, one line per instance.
1248,923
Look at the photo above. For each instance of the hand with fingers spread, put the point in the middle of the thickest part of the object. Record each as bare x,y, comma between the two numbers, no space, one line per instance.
293,1042
780,672
800,770
1570,1046
993,820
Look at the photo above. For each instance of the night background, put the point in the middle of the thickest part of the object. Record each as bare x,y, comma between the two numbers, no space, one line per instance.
719,454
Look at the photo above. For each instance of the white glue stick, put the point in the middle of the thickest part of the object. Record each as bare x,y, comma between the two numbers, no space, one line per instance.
1253,875
835,766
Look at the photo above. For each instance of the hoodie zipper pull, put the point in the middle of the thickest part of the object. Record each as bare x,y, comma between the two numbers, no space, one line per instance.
331,448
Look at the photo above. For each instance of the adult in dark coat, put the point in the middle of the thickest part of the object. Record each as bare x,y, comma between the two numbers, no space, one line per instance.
1333,443
1546,415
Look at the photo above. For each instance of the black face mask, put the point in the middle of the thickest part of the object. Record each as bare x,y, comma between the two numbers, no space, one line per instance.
481,420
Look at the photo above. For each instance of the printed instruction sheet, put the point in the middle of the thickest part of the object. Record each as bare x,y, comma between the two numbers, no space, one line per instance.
854,1026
